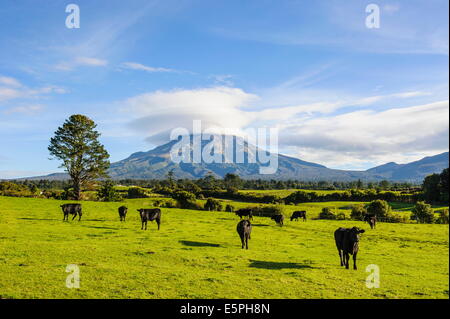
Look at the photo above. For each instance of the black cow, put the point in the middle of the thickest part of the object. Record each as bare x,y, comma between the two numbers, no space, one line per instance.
299,214
123,212
245,212
74,209
244,229
347,243
150,215
279,219
371,220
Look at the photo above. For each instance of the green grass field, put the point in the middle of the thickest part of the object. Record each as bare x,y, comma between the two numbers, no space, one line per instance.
197,254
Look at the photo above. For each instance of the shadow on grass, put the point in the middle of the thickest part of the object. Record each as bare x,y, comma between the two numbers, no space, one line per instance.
260,225
100,227
27,218
277,265
198,244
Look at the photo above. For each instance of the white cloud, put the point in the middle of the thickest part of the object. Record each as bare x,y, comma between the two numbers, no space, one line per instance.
80,61
312,131
25,109
160,111
8,81
370,136
8,94
24,92
141,67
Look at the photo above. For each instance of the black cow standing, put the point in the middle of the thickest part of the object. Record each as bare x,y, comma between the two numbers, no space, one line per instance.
371,220
244,229
123,212
74,209
150,215
347,243
279,219
245,212
299,214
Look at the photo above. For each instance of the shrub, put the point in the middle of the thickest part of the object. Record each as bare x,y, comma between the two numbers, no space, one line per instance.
327,213
186,200
423,213
200,196
395,218
136,192
358,212
340,216
108,193
229,208
379,208
443,217
166,203
267,211
55,194
213,204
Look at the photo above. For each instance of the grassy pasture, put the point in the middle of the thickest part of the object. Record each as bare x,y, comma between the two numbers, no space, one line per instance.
197,254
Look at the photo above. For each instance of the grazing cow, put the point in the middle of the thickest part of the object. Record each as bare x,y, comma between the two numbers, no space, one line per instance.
245,212
347,243
150,215
74,209
279,219
244,229
299,214
123,212
371,220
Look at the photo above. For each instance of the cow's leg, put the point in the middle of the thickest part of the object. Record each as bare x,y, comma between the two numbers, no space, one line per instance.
354,261
246,241
79,216
146,224
142,227
74,215
340,256
242,240
346,259
158,221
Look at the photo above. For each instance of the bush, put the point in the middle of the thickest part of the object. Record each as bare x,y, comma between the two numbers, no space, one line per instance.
327,213
108,193
358,212
443,217
340,216
136,192
395,218
229,208
267,211
166,203
379,208
186,200
54,194
423,213
15,190
213,204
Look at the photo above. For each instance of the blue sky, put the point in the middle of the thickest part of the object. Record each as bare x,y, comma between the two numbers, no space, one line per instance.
340,94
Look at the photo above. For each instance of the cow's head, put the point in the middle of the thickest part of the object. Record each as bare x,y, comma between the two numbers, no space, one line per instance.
354,233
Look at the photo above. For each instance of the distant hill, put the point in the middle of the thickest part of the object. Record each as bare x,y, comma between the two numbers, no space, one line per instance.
412,171
156,163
